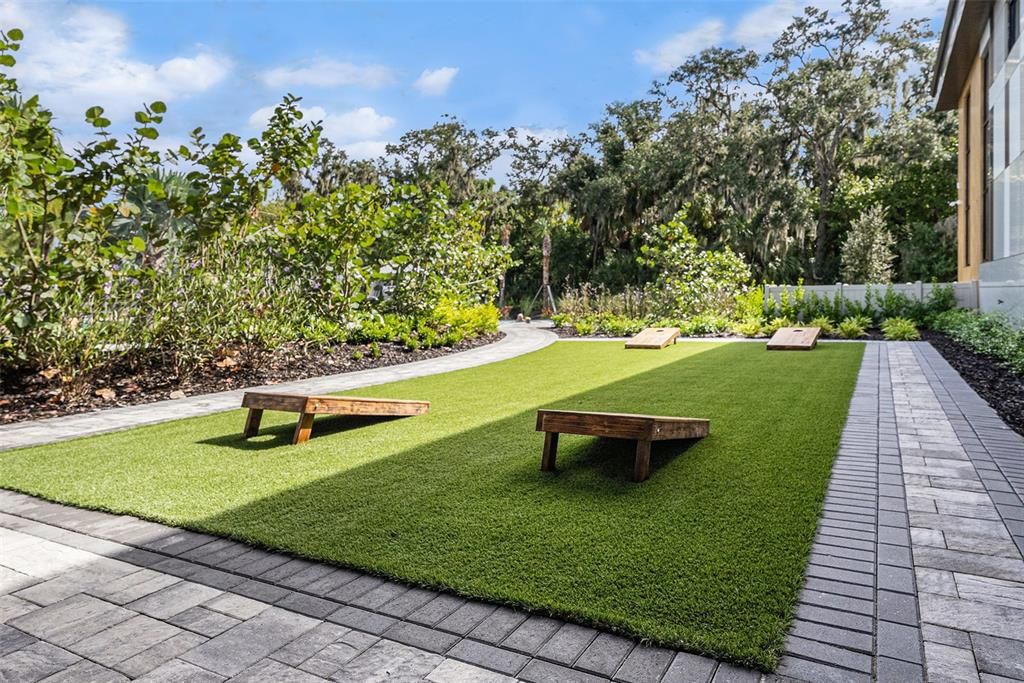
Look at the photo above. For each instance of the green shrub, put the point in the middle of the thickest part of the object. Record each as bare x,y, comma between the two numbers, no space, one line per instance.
698,325
824,323
748,328
900,329
775,324
851,328
865,321
990,334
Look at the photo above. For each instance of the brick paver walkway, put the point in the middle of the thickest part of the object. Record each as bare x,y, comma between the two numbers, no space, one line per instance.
915,574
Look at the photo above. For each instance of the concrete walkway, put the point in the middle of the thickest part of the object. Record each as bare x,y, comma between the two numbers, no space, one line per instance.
519,339
915,574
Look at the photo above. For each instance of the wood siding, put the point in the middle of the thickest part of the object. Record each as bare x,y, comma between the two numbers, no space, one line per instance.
971,175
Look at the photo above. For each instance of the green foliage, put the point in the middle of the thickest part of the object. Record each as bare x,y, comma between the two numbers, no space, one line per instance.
110,255
689,280
776,324
852,328
822,322
900,329
868,254
750,327
990,334
750,304
447,324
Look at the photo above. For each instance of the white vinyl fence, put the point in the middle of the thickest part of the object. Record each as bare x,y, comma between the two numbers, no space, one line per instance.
966,293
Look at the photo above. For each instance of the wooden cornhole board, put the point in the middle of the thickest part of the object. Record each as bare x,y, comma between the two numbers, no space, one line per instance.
642,428
794,339
309,406
653,338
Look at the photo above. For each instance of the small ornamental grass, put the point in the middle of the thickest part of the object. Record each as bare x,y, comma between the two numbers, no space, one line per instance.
900,329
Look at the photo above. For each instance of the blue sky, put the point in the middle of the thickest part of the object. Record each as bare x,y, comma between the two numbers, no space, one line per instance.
374,70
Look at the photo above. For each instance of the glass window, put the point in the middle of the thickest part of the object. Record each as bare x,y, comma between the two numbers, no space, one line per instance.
1012,24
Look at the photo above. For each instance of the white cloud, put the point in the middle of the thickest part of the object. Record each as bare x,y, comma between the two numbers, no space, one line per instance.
434,82
76,56
359,129
367,149
758,28
670,53
322,72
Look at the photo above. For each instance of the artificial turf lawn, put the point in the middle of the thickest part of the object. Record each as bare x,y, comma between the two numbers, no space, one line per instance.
708,554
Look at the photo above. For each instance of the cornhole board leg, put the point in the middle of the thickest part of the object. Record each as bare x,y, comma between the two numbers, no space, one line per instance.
252,422
303,428
642,464
547,461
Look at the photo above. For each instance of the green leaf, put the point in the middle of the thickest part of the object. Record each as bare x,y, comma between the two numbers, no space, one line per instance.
141,117
15,34
6,60
149,133
100,122
93,112
138,244
159,107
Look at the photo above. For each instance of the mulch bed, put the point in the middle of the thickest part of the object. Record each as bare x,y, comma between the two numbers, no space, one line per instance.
997,384
29,396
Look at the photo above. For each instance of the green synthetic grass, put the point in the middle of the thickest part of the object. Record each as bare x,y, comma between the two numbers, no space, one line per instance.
708,554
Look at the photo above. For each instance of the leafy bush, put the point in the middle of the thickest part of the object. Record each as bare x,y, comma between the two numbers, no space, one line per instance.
699,325
990,334
689,280
748,328
852,328
775,324
824,323
900,329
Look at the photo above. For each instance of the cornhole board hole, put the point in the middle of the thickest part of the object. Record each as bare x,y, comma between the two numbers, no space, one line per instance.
653,338
794,339
640,428
309,406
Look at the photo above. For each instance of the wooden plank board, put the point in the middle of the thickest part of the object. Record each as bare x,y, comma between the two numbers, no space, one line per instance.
333,405
310,406
622,425
653,338
794,339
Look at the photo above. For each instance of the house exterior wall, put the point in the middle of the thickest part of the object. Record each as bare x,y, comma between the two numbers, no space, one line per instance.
990,211
1001,272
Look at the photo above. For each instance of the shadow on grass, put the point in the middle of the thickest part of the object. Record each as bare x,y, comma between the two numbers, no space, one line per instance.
276,436
613,459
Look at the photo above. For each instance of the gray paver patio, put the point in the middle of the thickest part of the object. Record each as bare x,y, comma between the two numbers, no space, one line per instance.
915,574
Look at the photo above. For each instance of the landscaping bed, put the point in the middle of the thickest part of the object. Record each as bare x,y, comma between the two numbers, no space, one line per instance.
999,385
31,396
707,555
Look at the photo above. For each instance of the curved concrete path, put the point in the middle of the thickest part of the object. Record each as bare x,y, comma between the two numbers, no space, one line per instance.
519,339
